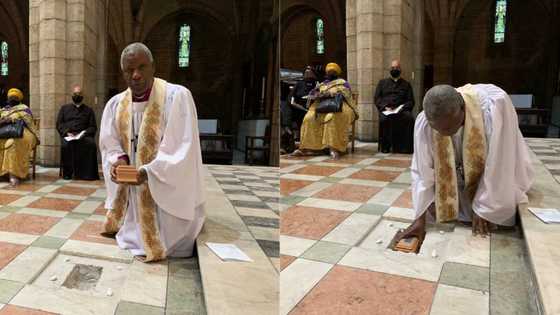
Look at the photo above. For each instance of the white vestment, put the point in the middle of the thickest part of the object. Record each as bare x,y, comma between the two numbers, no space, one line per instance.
175,176
508,173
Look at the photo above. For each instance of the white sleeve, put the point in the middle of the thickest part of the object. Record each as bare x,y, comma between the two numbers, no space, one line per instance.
422,168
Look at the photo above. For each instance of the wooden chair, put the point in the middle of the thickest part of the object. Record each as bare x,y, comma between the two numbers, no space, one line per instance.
33,156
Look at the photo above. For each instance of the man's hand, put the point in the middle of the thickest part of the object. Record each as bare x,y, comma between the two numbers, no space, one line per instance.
114,170
141,177
480,226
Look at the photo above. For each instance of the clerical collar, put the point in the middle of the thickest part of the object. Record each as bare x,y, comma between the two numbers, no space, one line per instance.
142,98
395,79
78,105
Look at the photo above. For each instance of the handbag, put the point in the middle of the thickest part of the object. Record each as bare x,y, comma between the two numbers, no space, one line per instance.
12,130
331,104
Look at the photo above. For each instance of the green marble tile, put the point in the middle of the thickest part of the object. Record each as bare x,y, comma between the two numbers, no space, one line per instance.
465,276
10,208
291,200
331,179
8,289
398,186
372,208
38,193
77,216
129,308
511,287
184,288
328,252
49,242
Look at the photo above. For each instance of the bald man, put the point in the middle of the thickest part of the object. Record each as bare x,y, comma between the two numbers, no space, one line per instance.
395,130
471,163
79,156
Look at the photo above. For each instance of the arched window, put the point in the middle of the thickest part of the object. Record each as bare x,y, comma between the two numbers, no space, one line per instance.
184,45
3,58
500,21
319,36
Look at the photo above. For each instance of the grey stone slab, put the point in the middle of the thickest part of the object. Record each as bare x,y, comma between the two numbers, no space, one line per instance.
260,221
249,204
291,200
8,289
331,179
129,308
77,216
372,208
184,288
49,242
327,252
465,276
270,248
511,287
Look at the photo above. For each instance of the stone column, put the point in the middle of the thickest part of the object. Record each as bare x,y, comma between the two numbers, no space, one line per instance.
63,52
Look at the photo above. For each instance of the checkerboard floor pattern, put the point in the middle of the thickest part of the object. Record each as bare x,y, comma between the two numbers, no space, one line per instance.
254,193
547,151
49,225
338,217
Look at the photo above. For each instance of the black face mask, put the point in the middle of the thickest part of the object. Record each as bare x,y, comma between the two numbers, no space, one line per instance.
13,102
395,73
332,77
77,99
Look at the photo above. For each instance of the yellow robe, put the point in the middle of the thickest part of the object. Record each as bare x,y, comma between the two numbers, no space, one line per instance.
15,153
330,130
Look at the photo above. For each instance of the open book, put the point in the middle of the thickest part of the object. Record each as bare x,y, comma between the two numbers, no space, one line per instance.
388,112
546,215
75,137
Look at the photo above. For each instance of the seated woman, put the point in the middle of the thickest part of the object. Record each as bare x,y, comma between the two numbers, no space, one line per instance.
14,152
322,131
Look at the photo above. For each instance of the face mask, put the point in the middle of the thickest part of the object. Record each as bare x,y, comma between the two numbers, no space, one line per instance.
77,99
395,73
13,102
332,76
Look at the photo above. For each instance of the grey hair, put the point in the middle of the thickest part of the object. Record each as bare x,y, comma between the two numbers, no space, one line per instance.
133,49
442,101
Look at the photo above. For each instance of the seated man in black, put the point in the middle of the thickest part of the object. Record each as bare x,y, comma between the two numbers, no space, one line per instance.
297,94
79,155
395,130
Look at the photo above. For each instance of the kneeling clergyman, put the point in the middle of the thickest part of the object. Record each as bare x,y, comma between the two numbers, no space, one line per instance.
470,160
152,126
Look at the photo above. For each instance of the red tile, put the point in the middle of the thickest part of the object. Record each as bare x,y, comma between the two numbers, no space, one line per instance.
27,186
310,223
383,176
288,186
347,192
286,260
8,198
55,204
89,232
72,190
393,163
404,200
8,252
317,170
19,310
346,290
101,209
27,223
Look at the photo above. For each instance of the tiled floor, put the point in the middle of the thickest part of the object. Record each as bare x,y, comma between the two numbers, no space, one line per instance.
339,217
253,191
48,226
548,152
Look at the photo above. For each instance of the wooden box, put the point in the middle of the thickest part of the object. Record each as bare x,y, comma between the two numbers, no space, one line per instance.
127,174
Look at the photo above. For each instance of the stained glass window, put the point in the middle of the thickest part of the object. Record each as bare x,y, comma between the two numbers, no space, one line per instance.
3,58
500,21
320,36
184,45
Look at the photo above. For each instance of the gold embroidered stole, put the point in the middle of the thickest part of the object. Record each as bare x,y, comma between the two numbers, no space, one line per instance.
474,159
149,137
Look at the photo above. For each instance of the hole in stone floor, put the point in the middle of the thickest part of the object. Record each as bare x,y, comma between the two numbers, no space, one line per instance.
83,277
407,245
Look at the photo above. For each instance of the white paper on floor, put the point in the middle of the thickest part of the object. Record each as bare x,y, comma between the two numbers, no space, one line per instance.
546,215
228,252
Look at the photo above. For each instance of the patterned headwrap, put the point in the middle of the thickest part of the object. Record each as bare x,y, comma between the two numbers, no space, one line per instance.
334,67
15,93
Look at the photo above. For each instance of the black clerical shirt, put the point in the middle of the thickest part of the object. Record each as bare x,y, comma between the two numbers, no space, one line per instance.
72,118
394,93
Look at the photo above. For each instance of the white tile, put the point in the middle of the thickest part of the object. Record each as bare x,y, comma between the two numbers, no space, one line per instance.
65,196
363,182
234,187
331,164
17,238
263,233
368,161
330,204
386,196
352,229
404,178
49,188
253,212
264,193
386,168
297,280
253,184
294,246
101,193
83,185
451,300
27,265
319,158
43,212
146,284
24,201
345,172
311,189
400,214
301,177
13,192
87,206
291,168
243,197
95,250
64,228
